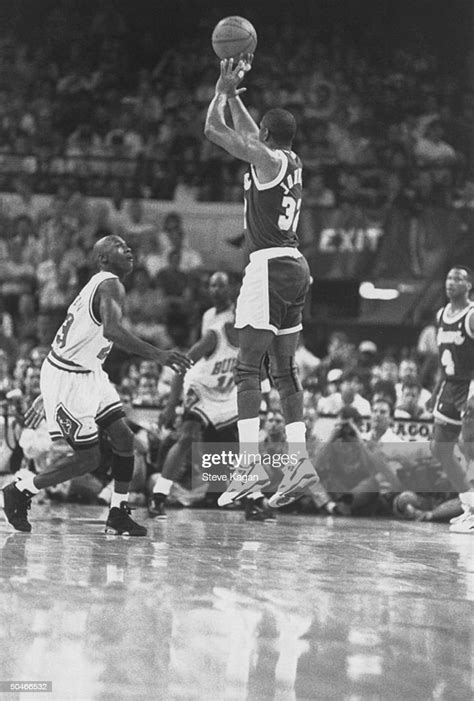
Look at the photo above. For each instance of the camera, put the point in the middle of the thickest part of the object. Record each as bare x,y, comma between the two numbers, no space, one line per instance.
346,431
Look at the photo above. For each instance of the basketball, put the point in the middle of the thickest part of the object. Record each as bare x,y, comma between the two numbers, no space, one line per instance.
233,36
402,503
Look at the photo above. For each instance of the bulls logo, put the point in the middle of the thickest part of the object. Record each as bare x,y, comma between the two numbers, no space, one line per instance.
68,425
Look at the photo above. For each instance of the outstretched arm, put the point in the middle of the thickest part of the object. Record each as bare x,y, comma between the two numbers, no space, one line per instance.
243,121
241,142
111,299
247,147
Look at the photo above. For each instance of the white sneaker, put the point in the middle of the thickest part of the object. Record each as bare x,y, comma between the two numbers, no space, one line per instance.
294,482
463,523
461,517
245,481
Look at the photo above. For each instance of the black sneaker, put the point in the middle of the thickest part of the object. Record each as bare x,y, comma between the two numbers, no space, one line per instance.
258,510
119,522
157,506
15,507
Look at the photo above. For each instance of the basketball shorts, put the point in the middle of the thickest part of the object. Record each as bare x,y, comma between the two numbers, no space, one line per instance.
218,412
77,403
273,291
451,401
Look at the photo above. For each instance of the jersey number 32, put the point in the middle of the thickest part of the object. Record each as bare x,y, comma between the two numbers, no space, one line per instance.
289,220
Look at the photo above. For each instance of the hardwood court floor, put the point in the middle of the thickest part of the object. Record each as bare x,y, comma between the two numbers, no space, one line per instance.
210,607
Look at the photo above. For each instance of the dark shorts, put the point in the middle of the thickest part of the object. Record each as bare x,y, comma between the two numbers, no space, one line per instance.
451,401
273,294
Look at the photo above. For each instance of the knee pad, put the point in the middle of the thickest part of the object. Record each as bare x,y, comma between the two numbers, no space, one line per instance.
285,376
247,375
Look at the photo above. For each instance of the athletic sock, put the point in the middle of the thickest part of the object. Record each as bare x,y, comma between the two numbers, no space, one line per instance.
117,499
248,435
296,439
467,499
162,485
25,483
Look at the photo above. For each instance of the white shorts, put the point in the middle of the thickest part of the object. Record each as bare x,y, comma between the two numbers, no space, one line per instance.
77,402
220,411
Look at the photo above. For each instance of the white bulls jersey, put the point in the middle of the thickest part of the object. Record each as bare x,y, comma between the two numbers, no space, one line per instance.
211,317
80,341
209,387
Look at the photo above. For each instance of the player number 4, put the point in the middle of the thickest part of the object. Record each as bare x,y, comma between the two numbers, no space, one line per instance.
289,220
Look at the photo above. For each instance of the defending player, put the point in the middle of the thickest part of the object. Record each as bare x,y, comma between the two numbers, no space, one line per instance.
210,403
453,409
276,281
78,396
223,308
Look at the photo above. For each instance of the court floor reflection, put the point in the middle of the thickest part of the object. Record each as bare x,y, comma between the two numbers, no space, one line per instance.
212,607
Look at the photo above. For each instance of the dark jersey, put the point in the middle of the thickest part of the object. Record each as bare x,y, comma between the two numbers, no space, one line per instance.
456,345
272,209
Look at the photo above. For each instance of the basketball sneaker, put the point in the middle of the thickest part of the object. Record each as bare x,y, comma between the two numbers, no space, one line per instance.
459,519
245,480
463,523
258,510
295,480
119,522
15,508
157,506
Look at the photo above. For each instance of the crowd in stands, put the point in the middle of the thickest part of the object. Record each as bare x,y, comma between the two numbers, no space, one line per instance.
102,93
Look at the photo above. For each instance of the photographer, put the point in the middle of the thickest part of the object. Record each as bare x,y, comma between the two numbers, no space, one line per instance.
351,471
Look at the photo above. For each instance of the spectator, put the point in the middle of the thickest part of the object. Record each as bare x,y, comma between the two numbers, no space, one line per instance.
172,280
6,321
350,471
317,194
23,202
409,406
17,275
27,239
408,370
57,286
347,396
381,419
6,382
146,394
306,362
145,309
339,355
173,238
384,390
135,225
26,321
112,216
149,254
430,149
389,370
